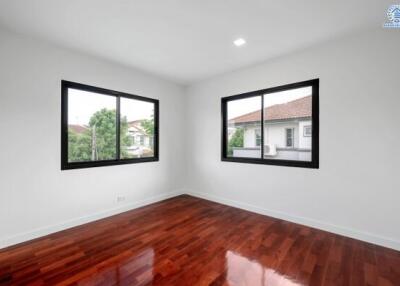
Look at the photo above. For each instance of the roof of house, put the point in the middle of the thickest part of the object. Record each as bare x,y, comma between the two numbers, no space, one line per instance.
135,122
298,108
77,128
136,125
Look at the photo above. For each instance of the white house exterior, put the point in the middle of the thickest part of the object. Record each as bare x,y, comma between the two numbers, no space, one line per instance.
142,143
287,131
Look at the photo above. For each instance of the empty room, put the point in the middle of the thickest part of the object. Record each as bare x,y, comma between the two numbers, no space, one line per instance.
194,143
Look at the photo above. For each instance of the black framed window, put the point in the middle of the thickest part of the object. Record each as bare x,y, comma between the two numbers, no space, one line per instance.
102,127
287,118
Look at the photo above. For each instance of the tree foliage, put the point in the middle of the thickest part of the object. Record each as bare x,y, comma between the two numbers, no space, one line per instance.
79,146
236,140
148,126
125,139
98,141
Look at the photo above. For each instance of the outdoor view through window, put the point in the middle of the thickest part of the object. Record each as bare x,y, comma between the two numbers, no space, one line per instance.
92,127
244,123
287,125
137,128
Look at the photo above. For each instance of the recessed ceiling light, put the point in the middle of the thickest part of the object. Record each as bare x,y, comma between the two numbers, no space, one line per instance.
239,42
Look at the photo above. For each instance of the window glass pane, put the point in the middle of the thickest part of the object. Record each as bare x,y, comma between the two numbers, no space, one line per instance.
244,119
91,126
289,137
286,115
307,131
137,128
258,137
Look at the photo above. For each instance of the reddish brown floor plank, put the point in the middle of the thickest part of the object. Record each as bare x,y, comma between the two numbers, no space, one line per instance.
190,241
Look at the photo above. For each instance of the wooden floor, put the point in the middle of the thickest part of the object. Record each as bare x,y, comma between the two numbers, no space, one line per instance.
189,241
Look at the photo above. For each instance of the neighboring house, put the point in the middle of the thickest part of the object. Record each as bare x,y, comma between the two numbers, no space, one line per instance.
287,131
78,129
396,15
141,142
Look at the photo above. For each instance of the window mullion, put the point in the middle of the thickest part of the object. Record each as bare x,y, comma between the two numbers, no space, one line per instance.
118,126
262,126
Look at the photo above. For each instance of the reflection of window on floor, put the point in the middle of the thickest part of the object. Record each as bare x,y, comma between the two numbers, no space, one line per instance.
243,271
289,137
141,140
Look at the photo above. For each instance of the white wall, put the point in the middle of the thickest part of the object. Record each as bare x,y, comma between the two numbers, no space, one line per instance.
36,197
356,191
276,133
249,137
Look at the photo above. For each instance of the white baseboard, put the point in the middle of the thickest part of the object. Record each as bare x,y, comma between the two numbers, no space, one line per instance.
360,235
26,236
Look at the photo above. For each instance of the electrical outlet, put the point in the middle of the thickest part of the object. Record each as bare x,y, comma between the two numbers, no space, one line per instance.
120,199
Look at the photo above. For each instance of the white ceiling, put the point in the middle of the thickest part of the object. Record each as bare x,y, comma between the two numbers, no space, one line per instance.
189,40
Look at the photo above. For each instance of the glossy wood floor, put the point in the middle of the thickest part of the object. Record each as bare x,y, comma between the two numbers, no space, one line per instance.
189,241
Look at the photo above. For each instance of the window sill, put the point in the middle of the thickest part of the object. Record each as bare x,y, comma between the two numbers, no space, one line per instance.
81,165
285,163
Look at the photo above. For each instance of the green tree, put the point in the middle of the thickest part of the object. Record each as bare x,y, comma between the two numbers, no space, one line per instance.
103,129
125,139
79,146
148,126
236,140
98,142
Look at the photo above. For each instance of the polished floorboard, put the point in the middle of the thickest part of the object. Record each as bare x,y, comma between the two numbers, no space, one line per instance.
190,241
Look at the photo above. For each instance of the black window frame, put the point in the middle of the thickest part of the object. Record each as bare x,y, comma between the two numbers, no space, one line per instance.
65,165
314,163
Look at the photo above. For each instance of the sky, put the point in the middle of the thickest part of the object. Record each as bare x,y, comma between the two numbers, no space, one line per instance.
247,105
83,104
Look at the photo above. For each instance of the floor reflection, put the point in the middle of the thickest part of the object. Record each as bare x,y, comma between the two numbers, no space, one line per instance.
134,269
244,272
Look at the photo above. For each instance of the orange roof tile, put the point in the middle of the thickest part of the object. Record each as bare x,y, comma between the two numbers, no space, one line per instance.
298,108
